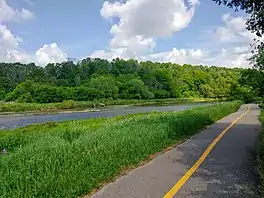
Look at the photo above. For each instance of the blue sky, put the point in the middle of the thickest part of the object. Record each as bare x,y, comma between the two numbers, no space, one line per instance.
50,31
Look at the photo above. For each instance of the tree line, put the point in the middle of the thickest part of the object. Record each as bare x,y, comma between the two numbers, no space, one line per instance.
95,79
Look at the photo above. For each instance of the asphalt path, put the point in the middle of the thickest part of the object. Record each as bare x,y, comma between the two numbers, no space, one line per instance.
229,170
15,121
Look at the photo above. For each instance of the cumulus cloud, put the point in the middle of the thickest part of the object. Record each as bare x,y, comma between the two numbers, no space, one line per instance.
150,18
180,56
137,25
10,50
234,30
10,45
8,14
224,57
50,54
140,23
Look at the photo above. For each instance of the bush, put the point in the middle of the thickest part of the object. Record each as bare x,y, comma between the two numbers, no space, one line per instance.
22,90
161,94
67,104
2,95
135,89
71,160
26,97
86,93
244,93
48,94
106,84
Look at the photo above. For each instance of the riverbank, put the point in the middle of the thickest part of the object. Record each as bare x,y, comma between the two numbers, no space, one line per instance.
70,159
13,121
77,106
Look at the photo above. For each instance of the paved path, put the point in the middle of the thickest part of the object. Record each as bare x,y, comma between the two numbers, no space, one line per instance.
11,122
228,171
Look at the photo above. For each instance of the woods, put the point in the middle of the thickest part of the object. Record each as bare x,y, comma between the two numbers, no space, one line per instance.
95,79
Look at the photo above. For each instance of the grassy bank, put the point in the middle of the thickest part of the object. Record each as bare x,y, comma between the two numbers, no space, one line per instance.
261,153
70,159
75,105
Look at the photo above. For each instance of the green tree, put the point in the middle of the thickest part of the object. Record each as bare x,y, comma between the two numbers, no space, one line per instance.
106,84
135,89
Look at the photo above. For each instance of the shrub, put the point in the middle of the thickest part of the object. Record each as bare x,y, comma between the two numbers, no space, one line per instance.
86,93
67,104
47,94
161,94
26,97
23,89
2,95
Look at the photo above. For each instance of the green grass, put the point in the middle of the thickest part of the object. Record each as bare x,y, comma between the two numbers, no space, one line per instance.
70,159
78,105
261,153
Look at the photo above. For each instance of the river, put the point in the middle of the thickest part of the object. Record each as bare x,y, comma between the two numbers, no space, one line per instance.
15,121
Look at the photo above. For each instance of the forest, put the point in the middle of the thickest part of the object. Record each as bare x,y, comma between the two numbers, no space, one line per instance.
95,79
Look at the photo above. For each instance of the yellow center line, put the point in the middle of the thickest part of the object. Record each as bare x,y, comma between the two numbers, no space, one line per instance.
189,173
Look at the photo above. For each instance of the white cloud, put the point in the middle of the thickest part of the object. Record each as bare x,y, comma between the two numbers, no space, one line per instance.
149,18
224,57
229,58
8,14
10,45
50,54
138,23
241,49
234,30
10,50
179,56
141,22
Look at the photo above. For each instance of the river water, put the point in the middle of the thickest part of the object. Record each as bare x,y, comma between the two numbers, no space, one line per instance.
15,121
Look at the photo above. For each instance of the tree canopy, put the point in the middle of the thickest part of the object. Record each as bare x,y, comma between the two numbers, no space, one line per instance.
94,79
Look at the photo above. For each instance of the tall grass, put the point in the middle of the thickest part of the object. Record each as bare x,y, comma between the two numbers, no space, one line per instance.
81,105
261,153
71,159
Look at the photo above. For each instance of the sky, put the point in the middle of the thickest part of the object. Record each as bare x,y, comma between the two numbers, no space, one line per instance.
178,31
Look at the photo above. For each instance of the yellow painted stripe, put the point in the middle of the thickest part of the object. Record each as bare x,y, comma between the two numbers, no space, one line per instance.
189,173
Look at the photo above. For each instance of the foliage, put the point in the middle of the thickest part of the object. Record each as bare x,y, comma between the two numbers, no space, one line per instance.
97,80
261,153
106,84
243,93
70,159
258,58
83,93
67,104
2,94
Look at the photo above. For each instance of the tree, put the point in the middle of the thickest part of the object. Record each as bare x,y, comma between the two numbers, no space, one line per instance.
93,79
83,93
135,89
106,84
